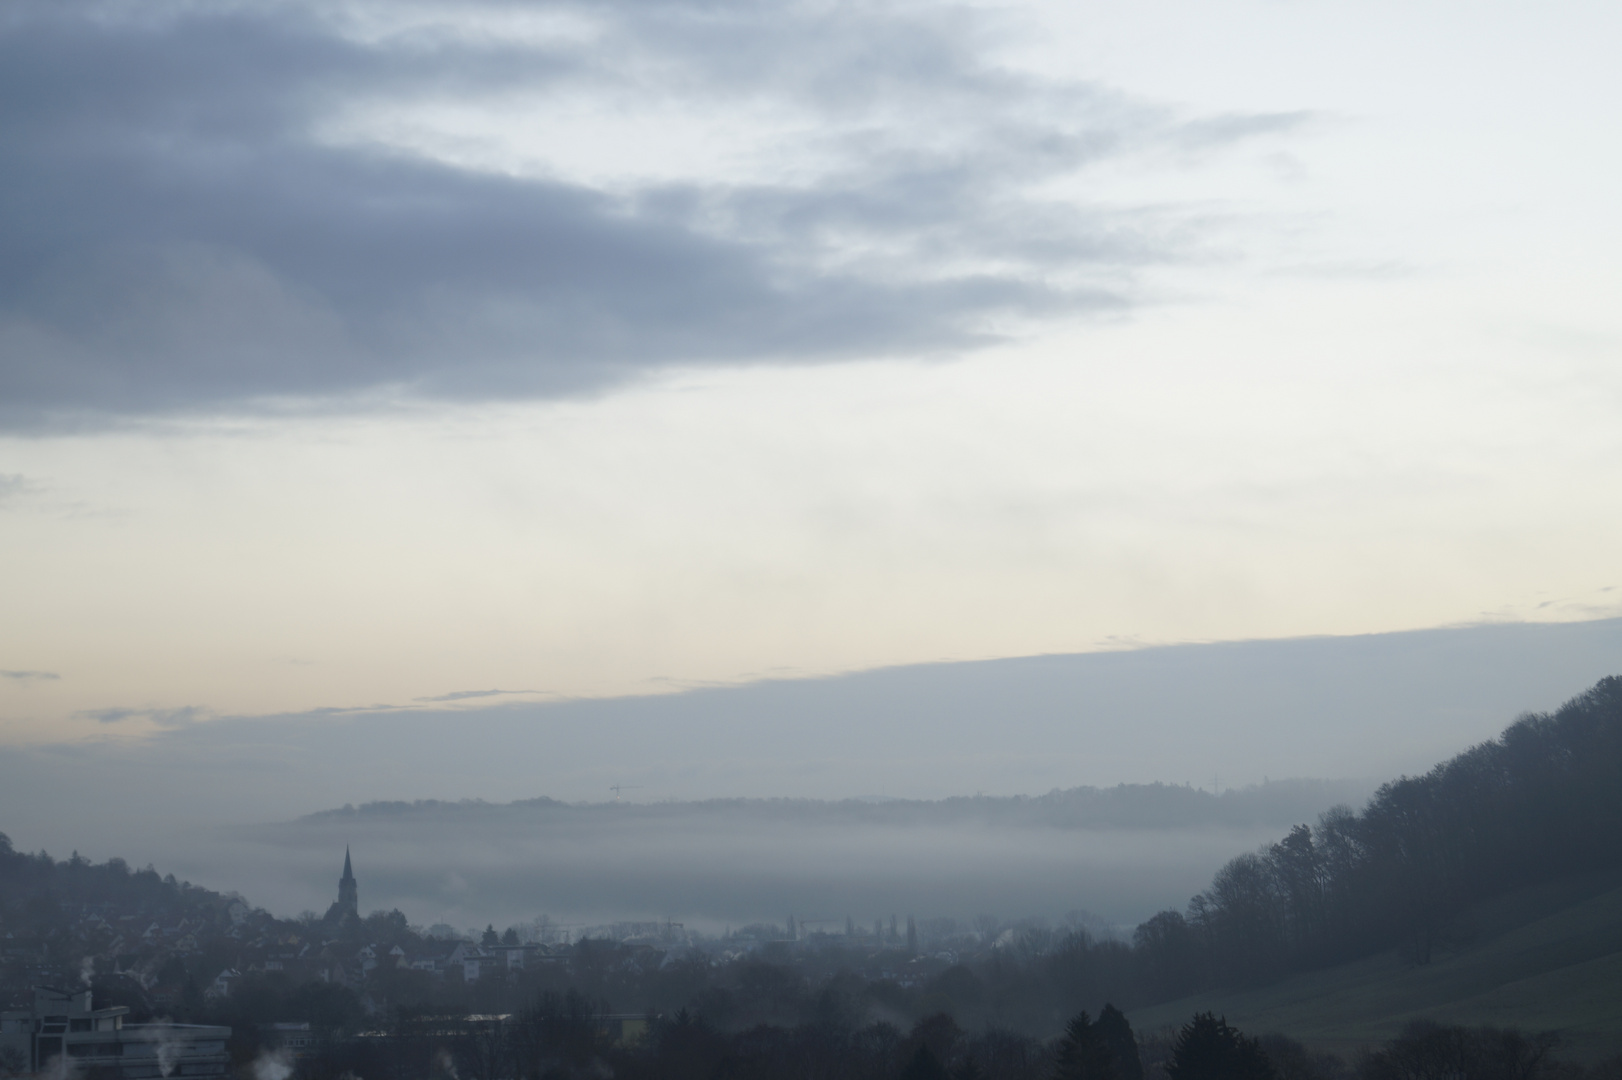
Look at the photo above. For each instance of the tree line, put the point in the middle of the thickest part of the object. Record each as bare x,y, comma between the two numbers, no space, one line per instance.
1542,801
563,1037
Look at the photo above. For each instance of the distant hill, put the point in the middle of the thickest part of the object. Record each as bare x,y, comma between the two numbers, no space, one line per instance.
1542,958
1115,853
1125,806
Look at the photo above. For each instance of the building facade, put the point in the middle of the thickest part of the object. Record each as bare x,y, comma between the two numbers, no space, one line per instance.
64,1033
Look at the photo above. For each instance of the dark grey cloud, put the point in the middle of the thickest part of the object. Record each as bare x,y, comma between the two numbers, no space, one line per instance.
175,233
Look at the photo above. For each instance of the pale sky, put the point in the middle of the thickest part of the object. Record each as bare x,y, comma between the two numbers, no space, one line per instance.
373,354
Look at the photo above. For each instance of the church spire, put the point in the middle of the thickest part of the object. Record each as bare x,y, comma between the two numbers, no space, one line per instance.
348,890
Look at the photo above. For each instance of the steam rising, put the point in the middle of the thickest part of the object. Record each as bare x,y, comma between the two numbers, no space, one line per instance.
273,1065
168,1048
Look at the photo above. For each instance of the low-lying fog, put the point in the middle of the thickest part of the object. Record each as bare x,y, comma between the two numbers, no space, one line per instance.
734,862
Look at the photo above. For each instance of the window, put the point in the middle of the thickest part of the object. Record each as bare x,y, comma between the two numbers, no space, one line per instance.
95,1049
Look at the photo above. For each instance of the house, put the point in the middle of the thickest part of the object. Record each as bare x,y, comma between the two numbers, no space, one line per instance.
434,960
221,986
472,959
517,957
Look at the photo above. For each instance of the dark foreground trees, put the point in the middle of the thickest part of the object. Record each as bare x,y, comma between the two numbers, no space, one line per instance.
1210,1049
1430,1051
1123,1045
565,1038
1084,1053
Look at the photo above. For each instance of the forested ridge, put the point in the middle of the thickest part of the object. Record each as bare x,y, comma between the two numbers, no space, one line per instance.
1541,801
1124,806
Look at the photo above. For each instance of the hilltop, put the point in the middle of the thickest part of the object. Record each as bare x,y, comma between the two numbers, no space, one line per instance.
1124,806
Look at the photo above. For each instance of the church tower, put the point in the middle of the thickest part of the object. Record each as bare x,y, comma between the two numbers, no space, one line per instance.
348,891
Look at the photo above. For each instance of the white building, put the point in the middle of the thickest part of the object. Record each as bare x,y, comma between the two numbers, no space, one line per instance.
63,1025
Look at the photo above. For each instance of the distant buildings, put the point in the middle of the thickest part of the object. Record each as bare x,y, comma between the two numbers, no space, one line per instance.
295,1039
63,1028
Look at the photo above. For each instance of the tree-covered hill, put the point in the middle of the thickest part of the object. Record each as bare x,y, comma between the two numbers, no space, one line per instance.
1541,802
1546,957
40,895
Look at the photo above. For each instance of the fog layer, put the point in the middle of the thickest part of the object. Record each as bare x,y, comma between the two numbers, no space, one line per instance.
1116,854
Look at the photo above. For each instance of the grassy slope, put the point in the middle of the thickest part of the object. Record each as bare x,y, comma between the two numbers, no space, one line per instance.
1545,958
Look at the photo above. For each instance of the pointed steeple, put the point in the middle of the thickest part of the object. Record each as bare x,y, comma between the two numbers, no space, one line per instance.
348,890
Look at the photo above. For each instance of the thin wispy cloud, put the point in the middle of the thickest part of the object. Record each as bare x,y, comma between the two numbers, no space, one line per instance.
181,717
30,676
13,485
209,206
469,695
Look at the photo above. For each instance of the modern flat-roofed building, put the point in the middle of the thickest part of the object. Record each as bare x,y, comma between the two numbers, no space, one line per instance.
63,1025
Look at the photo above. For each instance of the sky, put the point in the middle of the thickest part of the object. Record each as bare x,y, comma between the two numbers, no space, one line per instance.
412,358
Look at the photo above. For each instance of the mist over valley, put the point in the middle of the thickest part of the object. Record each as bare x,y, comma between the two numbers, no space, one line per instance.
1114,855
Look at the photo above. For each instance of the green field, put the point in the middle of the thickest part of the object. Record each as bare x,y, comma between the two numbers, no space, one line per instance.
1544,958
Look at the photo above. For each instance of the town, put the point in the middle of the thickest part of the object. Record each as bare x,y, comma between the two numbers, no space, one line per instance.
147,949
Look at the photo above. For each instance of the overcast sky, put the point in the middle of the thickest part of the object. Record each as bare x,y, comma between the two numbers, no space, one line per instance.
396,354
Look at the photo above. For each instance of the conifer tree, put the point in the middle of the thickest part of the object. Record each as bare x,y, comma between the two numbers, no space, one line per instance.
1117,1034
1210,1049
1083,1053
